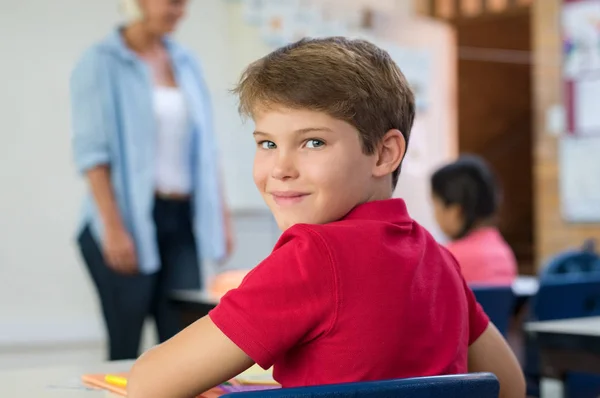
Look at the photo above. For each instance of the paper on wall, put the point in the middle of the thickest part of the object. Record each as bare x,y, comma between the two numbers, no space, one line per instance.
579,178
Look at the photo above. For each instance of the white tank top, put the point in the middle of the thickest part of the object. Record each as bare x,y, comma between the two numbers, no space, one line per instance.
174,141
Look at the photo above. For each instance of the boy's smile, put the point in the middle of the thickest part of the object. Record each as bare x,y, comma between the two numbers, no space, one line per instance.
283,198
309,167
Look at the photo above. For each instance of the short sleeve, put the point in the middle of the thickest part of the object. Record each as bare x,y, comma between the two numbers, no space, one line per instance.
287,300
478,319
90,119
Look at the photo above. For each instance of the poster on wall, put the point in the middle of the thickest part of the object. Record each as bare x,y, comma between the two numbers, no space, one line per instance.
579,178
278,23
254,11
287,21
580,20
306,22
416,64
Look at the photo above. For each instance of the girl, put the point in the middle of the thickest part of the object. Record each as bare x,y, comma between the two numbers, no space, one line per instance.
466,199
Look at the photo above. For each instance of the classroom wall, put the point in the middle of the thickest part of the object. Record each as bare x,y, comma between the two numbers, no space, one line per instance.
46,298
552,233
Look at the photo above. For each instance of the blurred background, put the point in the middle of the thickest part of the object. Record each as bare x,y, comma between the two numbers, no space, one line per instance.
489,77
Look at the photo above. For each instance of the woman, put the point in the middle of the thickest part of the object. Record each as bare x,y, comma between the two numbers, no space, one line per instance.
142,135
465,198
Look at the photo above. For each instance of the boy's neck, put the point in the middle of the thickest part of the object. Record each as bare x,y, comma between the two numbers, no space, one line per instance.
381,192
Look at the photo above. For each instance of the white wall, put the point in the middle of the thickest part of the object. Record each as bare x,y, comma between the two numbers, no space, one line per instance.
45,294
42,286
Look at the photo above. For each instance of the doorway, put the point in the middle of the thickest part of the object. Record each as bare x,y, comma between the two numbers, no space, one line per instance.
495,115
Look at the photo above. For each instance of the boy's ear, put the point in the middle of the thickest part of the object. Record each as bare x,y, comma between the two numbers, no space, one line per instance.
390,152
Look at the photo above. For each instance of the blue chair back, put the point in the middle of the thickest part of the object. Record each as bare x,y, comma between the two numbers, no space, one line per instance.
562,299
571,264
480,385
497,302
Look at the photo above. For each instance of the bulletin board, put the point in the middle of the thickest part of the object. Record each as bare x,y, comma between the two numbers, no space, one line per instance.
580,22
579,148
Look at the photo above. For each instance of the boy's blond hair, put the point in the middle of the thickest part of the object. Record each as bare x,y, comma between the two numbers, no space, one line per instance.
350,80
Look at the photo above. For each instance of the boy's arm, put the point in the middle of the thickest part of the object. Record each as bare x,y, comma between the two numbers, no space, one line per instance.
491,353
288,299
195,360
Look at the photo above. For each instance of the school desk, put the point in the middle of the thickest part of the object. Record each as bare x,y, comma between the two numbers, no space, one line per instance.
66,381
56,382
567,345
525,286
194,304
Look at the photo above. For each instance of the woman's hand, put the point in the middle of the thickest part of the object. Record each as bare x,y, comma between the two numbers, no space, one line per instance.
119,251
118,247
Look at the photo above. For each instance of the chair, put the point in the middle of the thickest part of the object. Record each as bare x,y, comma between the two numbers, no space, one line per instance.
480,385
497,302
571,264
563,298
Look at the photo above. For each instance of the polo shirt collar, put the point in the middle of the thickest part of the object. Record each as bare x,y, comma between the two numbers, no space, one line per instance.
390,210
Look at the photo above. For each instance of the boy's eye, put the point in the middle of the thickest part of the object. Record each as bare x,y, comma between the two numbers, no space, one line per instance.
314,143
267,145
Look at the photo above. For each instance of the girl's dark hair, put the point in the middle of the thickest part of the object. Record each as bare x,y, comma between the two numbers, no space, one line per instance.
470,183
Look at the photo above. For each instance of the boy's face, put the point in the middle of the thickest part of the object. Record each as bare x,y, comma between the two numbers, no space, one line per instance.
309,167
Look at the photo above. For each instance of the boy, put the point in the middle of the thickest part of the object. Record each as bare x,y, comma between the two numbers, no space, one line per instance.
354,290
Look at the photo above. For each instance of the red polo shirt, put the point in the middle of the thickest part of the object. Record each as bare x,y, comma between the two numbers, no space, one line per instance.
369,297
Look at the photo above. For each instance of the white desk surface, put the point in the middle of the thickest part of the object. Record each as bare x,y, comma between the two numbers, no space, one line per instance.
58,382
526,286
589,326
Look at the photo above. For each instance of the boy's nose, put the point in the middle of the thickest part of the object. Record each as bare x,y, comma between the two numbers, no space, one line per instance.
285,167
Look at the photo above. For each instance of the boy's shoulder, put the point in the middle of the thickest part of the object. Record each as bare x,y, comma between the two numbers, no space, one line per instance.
347,234
330,233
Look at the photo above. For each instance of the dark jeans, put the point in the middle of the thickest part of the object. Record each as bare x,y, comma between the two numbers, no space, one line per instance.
127,300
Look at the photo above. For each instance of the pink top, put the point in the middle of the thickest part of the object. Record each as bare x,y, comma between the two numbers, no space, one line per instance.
485,257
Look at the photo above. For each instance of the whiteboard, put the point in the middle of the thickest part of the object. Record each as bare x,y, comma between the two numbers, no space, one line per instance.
225,50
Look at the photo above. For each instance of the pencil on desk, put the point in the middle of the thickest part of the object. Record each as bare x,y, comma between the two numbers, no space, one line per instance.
116,380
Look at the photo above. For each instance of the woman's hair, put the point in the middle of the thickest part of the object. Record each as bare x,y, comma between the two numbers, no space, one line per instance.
130,9
470,183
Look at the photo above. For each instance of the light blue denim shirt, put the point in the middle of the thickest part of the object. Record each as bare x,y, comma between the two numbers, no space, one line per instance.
113,123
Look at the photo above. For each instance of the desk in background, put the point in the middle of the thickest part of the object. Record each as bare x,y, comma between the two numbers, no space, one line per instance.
193,304
525,286
567,345
59,382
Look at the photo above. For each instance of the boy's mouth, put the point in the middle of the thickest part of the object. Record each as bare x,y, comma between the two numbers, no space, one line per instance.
288,197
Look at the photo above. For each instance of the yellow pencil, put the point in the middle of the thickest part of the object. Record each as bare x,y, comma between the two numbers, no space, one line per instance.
116,380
